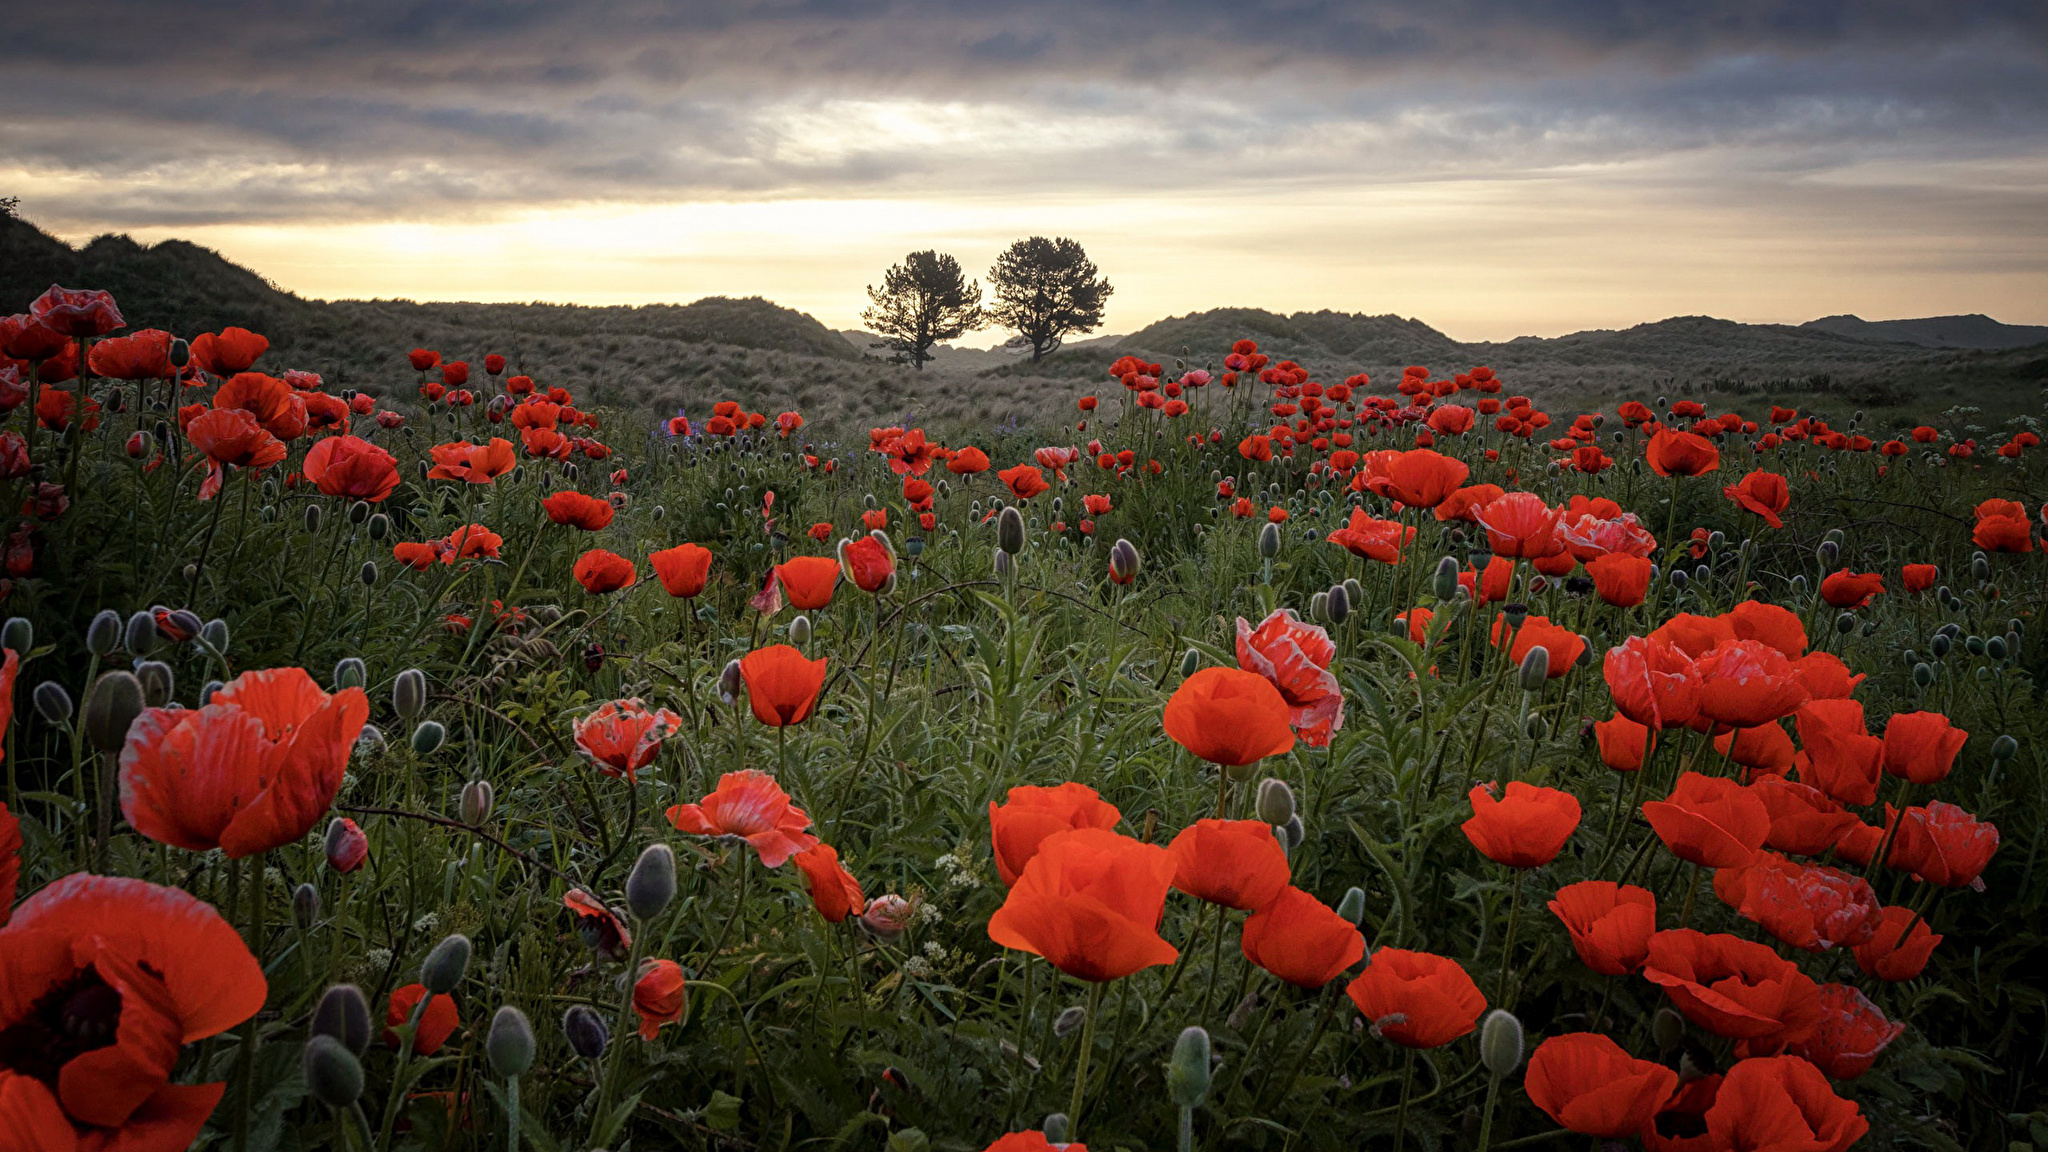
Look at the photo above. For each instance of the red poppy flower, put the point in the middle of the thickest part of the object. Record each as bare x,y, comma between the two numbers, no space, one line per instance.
470,542
808,581
600,571
1236,863
1765,748
1900,947
1804,820
1090,903
1810,908
1852,1033
1681,454
1032,1140
1589,1085
1943,845
1733,987
1563,645
1624,744
834,892
1380,540
1610,924
2003,531
623,736
1418,478
253,770
10,856
1024,480
682,569
1693,634
1521,524
753,807
347,847
1295,658
1229,716
1744,683
1416,999
1620,579
967,461
868,563
660,996
1782,1102
267,398
144,355
1464,504
103,980
782,685
472,463
230,351
1524,829
1301,940
1918,577
1846,589
578,510
1838,756
436,1025
603,930
1710,820
1030,814
1921,746
352,467
1652,682
1764,493
1769,625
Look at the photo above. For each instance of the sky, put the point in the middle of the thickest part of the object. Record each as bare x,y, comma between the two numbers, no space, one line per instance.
1492,167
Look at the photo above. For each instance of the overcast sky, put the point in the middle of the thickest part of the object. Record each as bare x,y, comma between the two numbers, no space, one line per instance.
1494,168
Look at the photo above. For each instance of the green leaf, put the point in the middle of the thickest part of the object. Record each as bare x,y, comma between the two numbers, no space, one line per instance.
723,1113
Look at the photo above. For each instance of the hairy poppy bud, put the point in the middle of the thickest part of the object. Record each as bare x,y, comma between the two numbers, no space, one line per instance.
1055,1128
1716,538
1500,1043
409,694
1352,906
305,905
586,1030
1187,1073
1974,645
1446,585
800,631
380,526
509,1044
1319,607
1355,591
1923,674
333,1074
180,353
102,636
1003,565
111,704
1292,833
52,703
367,573
1010,531
428,737
1980,567
1275,804
140,636
214,633
1799,584
1069,1021
1338,606
652,882
729,682
1535,669
1679,579
349,672
358,512
1667,1029
19,635
1189,662
477,798
159,683
313,513
1845,623
442,970
1269,540
1940,644
207,690
2004,748
343,1015
346,845
1124,561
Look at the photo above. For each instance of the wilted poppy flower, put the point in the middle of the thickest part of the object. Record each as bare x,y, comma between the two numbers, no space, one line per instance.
834,892
1852,1033
1764,493
578,510
1525,828
1521,524
1236,863
868,563
1744,683
682,569
623,736
1380,540
1295,657
660,996
1838,756
1418,478
1846,589
601,571
1900,947
749,805
782,685
1782,1102
1563,645
1089,902
1416,999
1811,908
253,770
1943,845
352,467
1804,820
1610,924
1301,940
1620,579
1589,1085
1229,716
231,351
808,581
473,463
603,931
1624,744
1031,813
1681,454
436,1025
1921,746
1710,820
1652,682
105,980
1733,987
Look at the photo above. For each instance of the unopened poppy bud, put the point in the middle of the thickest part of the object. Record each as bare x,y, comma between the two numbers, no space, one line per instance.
368,572
1187,1073
102,636
1269,540
1980,567
1275,803
1003,565
305,905
358,512
1940,644
1679,579
1319,606
313,513
442,970
800,631
658,511
1356,591
1500,1043
729,682
1845,623
1799,584
1352,906
1338,605
409,694
180,353
111,704
1124,561
1535,669
1292,833
1069,1020
1055,1128
207,690
1667,1029
1446,582
1533,727
887,917
349,672
586,1030
346,845
477,798
428,737
140,636
1923,674
19,636
1715,538
652,882
343,1015
159,683
53,703
1702,572
215,634
380,526
1010,531
333,1074
509,1044
1974,645
2004,748
1190,660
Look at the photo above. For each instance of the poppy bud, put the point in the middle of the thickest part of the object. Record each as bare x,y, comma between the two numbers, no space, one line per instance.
346,845
1187,1073
652,882
1679,579
1845,623
1352,906
1124,561
358,512
350,673
207,690
1275,804
368,572
1189,661
1923,674
1319,606
729,682
380,526
409,694
1292,833
1446,586
475,805
140,638
215,634
18,635
159,684
588,1036
1799,585
1940,645
428,737
1702,572
1069,1021
1500,1043
1055,1128
2004,748
1003,565
800,631
343,1015
53,703
111,704
333,1074
102,636
1667,1029
1974,645
1269,540
313,517
190,572
442,970
1715,538
1980,567
509,1044
1010,531
658,512
180,353
305,905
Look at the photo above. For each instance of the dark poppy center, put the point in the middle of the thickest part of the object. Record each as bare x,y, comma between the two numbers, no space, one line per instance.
1676,1125
78,1016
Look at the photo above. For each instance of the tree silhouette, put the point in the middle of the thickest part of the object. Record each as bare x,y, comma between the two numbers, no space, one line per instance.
1046,290
922,301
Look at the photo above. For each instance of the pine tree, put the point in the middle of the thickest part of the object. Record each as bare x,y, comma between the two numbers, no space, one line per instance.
922,301
1047,290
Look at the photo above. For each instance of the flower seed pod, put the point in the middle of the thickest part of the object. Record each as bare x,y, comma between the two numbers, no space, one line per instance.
140,636
1069,1021
333,1074
729,682
1500,1043
1010,531
215,634
1535,669
305,905
1319,607
103,635
509,1044
349,672
428,737
1187,1073
159,683
1124,561
1339,604
18,635
1275,804
312,517
477,799
343,1014
52,703
1269,540
1352,906
1446,580
800,631
442,970
111,705
652,882
409,694
586,1030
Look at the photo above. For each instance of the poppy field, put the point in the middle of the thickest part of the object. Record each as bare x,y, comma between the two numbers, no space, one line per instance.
1231,760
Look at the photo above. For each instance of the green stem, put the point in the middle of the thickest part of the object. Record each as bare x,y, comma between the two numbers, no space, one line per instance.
1081,1063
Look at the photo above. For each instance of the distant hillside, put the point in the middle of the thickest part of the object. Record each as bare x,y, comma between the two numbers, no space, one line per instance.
1973,331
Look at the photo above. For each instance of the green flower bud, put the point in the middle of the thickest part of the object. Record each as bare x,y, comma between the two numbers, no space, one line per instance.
1940,645
207,690
1055,1128
305,905
333,1074
442,970
1446,580
1980,567
1188,1072
477,798
2004,748
1339,604
379,526
1319,607
1069,1021
159,683
313,517
1352,906
367,573
509,1044
111,705
103,635
1356,591
1292,833
1190,660
428,737
349,672
18,635
1003,565
1923,674
1269,540
214,634
588,1036
800,631
1010,531
1535,671
1994,647
1275,804
1500,1043
343,1014
409,694
52,703
652,882
1124,561
1667,1029
358,512
139,636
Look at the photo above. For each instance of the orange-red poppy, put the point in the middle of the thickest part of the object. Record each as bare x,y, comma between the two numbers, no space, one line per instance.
472,463
1610,924
967,461
868,563
1416,999
1918,577
623,736
1768,624
1837,756
834,892
1851,1035
1681,454
1620,579
228,352
1781,1102
1465,503
1418,478
1025,481
1943,845
660,996
1921,746
1089,902
1521,524
782,685
1745,683
1372,539
808,581
1236,863
1804,820
1589,1085
1030,813
352,467
143,355
1733,987
1652,682
1846,589
577,510
1900,947
1624,744
231,437
267,398
1710,820
436,1025
1301,940
1563,645
682,569
749,805
1229,716
601,571
1765,748
1525,828
1295,657
1764,493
